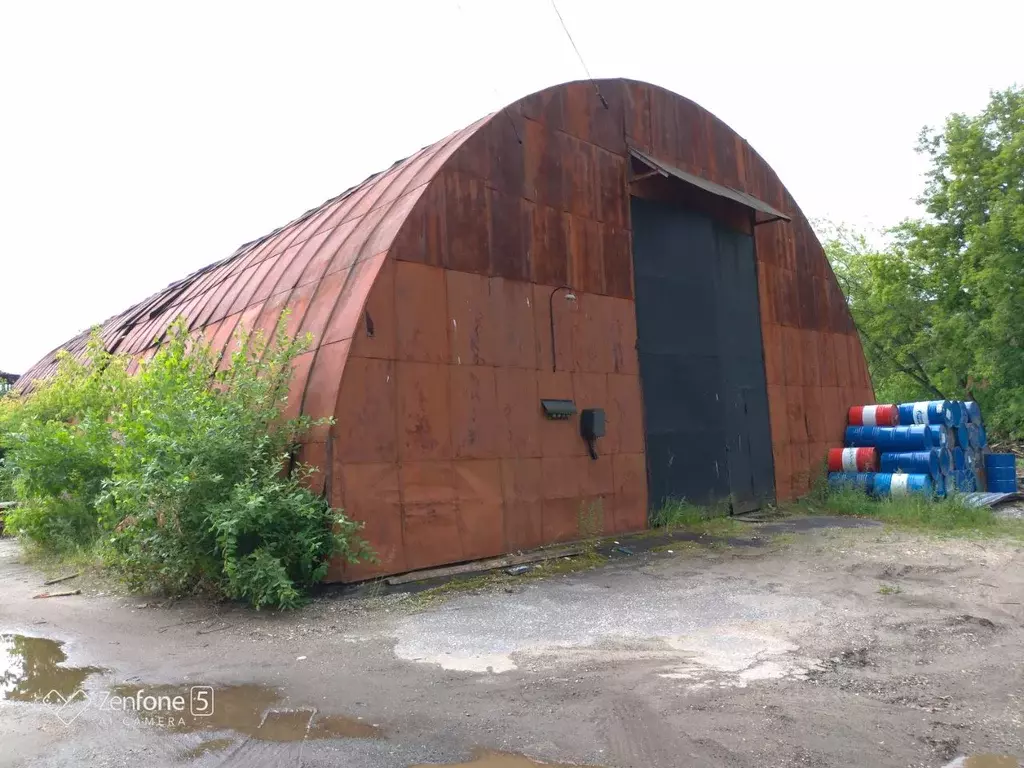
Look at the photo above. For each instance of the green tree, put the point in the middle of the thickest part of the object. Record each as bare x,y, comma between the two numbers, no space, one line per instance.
971,253
892,313
941,308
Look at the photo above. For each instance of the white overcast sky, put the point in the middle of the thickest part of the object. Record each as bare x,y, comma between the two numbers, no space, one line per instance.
142,140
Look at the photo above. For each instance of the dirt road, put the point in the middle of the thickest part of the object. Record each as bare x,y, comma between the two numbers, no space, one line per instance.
845,648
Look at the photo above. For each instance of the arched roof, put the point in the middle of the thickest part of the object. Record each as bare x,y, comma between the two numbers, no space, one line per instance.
303,264
323,264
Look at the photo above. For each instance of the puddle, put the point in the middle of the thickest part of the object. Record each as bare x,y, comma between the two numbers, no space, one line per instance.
985,761
486,759
340,727
32,667
249,710
208,747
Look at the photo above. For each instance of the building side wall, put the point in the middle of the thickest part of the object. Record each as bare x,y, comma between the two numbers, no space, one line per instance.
440,447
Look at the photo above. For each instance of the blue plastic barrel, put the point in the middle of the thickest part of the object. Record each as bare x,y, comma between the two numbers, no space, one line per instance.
1001,480
887,484
860,481
959,412
973,435
916,462
964,416
973,412
940,434
959,458
940,485
1001,472
929,412
891,439
964,480
997,460
961,434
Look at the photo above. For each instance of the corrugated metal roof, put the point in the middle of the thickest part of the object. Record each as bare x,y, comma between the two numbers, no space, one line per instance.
324,240
735,195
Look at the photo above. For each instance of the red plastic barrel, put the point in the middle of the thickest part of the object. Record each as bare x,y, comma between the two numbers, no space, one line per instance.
852,460
873,416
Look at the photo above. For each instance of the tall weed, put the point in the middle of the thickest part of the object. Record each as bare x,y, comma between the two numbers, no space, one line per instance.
951,514
179,473
683,515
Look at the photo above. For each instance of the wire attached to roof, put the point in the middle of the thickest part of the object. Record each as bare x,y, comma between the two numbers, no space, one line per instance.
579,55
494,88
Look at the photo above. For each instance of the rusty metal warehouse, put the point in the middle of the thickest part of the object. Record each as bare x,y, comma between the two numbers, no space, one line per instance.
617,248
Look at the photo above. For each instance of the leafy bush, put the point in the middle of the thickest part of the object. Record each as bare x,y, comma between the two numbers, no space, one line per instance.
178,474
6,480
57,449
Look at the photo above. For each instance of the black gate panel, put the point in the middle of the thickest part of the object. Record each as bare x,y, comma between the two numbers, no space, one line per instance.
701,366
751,465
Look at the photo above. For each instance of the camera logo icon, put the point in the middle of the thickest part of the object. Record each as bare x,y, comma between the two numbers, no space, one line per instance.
200,700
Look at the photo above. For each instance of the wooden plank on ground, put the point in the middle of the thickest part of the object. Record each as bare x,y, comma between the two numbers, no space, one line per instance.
478,566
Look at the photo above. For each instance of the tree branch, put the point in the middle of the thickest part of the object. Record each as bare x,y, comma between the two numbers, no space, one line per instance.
920,377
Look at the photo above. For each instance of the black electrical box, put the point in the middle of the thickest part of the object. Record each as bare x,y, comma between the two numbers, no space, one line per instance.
558,409
592,423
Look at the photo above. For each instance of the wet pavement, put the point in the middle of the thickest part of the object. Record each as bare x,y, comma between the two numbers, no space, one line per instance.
33,669
488,759
736,657
728,632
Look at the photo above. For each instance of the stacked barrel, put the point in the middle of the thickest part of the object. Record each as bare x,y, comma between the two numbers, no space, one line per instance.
883,458
946,421
963,434
935,446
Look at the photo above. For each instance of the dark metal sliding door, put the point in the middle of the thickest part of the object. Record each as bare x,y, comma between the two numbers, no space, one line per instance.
701,365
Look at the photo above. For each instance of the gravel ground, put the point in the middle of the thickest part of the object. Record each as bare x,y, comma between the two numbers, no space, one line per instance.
833,648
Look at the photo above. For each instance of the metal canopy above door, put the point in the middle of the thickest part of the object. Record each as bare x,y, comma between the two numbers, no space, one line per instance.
763,213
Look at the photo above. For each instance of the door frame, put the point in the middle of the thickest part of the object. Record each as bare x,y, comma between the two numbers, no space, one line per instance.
693,193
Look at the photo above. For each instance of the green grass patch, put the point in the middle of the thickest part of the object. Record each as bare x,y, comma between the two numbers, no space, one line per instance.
889,589
85,558
681,515
780,540
675,547
951,515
